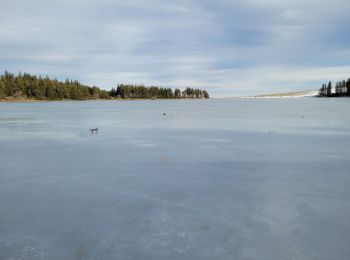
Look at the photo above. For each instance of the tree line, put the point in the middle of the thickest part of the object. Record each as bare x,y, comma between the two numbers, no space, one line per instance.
142,92
44,88
26,85
341,89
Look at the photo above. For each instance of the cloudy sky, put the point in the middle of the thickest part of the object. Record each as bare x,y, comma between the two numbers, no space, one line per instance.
229,47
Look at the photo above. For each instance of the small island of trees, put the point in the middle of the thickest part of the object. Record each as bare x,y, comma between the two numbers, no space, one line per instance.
140,91
341,89
43,88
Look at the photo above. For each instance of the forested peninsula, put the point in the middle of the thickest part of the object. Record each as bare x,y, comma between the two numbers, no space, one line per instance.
25,86
341,89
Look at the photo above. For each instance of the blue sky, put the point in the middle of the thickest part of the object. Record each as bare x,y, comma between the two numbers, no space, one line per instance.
229,47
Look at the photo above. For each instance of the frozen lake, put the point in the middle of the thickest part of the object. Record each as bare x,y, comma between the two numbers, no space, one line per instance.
212,179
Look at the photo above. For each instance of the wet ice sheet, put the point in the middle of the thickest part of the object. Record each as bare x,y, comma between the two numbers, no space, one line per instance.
226,179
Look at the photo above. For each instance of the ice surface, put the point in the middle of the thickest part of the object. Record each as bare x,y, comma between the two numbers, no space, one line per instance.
213,179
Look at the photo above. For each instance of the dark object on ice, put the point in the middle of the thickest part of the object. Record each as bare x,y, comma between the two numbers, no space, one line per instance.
164,114
94,130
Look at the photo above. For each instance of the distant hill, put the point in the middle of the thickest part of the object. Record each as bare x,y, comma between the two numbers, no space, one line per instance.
305,93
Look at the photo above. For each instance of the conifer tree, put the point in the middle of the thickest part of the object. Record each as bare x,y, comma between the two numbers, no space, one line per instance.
329,89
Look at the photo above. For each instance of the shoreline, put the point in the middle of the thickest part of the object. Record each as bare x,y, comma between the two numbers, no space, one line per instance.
33,100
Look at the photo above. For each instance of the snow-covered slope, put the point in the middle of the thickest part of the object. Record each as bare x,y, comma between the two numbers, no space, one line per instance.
307,93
